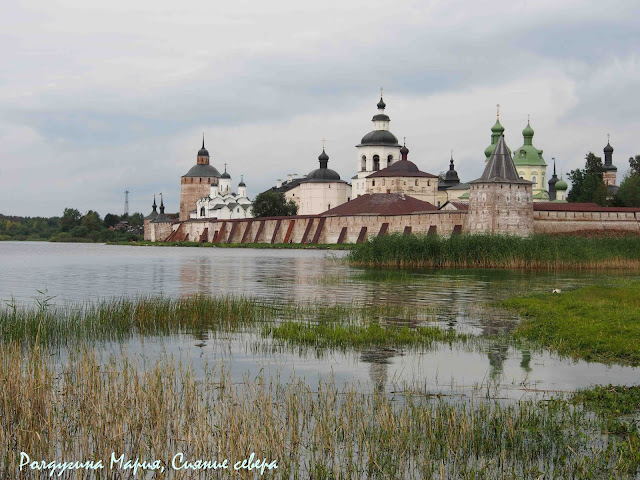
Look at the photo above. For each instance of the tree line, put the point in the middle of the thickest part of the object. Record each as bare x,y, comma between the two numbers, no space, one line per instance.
587,184
72,226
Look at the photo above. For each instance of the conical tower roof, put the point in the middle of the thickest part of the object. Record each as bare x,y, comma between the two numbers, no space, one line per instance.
500,167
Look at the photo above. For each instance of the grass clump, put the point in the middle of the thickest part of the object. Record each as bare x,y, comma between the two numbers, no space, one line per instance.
595,323
611,400
498,251
327,334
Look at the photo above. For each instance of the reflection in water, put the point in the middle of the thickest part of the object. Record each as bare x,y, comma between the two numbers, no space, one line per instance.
526,360
378,360
497,354
81,272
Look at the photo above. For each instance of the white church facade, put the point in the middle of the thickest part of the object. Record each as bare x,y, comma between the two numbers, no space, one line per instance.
223,203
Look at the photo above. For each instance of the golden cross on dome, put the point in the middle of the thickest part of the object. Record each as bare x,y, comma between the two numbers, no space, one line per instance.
323,140
498,114
608,137
380,92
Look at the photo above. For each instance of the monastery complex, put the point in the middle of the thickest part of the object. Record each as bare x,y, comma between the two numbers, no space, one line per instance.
390,194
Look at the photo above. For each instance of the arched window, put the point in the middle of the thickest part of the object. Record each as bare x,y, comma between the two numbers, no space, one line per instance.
416,182
363,163
389,160
202,212
376,162
534,179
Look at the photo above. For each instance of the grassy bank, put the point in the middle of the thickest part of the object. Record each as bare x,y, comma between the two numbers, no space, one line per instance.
499,251
316,246
88,409
594,323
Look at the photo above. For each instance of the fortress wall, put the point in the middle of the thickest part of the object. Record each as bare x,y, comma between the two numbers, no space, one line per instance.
296,227
158,232
567,222
420,223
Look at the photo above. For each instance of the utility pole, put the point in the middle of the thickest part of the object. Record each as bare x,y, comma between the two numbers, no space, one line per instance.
126,202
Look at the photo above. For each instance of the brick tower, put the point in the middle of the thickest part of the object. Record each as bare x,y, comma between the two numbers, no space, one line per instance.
500,201
196,183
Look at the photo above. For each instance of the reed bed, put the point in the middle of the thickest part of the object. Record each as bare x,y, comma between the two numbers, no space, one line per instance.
120,318
85,410
543,252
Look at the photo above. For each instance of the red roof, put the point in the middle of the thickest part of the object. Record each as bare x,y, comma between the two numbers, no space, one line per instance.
381,204
579,207
402,168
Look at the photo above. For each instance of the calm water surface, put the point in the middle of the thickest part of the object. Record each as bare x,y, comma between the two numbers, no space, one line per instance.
80,272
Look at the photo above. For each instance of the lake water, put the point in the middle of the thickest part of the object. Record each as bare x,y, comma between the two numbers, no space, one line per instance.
80,272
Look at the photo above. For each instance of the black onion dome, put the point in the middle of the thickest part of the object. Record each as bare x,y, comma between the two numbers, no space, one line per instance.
323,156
322,175
241,184
381,105
203,152
404,150
202,171
608,148
225,175
452,175
379,137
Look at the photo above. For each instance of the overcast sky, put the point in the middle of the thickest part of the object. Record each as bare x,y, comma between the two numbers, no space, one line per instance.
97,97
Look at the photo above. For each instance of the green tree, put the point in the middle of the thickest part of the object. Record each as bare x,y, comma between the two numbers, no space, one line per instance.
273,204
110,220
586,184
79,231
629,191
593,164
136,219
91,221
70,219
634,163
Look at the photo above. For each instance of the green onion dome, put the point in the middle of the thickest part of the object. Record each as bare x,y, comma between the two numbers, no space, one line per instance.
497,128
561,185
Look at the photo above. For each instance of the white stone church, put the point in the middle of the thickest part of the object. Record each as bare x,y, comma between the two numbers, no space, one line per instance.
223,203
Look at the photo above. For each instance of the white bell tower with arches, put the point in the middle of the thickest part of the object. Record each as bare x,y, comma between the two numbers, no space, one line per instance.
377,150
